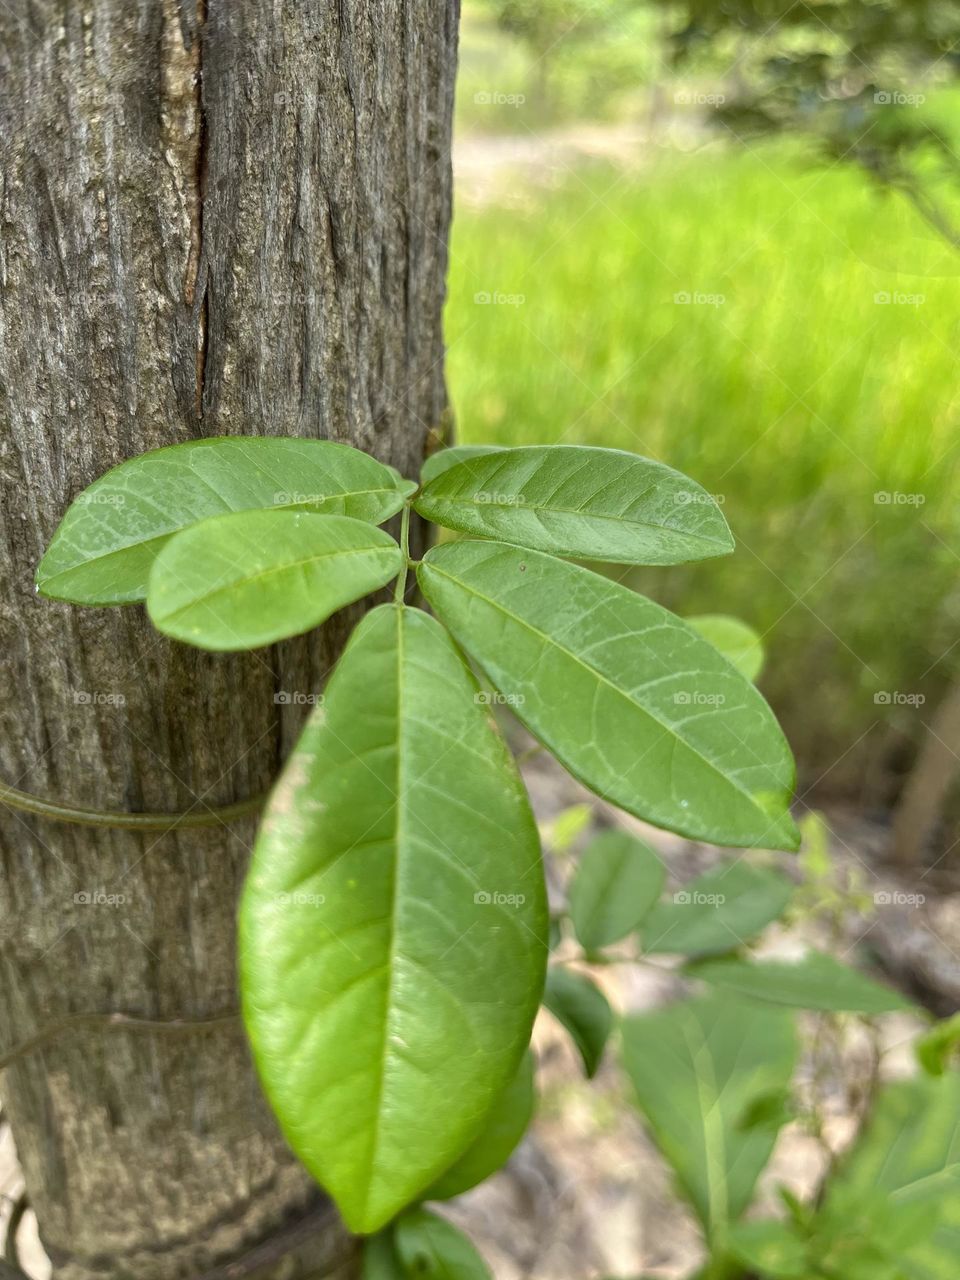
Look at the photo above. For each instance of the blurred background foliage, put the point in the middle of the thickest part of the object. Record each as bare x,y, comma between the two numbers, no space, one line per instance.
749,270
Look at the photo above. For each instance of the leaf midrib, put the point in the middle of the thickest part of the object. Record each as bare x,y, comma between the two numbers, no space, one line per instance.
573,511
179,528
266,573
609,683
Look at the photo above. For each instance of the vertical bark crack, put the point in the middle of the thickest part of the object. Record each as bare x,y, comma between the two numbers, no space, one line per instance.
185,153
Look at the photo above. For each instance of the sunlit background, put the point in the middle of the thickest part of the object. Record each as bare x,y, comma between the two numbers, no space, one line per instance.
631,270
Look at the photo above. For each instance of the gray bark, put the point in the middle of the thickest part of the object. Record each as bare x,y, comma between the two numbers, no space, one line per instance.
224,219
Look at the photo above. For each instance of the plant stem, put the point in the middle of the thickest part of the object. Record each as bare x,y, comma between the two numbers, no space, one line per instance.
401,587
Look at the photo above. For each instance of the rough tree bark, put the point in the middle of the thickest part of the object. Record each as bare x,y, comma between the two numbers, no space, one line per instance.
216,218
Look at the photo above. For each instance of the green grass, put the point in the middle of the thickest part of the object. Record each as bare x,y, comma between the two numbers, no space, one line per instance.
797,399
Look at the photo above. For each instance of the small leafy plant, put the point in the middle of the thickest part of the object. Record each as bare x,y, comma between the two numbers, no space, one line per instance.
394,925
715,1074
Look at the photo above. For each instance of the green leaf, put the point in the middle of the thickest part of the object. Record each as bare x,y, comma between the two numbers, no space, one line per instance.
444,459
393,926
906,1163
697,1067
718,911
580,1006
431,1248
936,1047
380,1260
506,1124
576,500
247,579
628,697
107,541
817,981
617,882
770,1248
737,642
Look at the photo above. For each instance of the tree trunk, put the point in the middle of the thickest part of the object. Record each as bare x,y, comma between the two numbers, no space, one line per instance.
220,219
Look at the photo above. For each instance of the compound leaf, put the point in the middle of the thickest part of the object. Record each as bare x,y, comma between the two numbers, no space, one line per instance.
431,1248
617,881
580,1006
698,1067
717,912
508,1121
393,926
628,697
247,579
576,500
104,547
816,981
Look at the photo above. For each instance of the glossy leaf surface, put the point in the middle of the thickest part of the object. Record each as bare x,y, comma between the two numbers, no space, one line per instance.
627,696
509,1118
576,500
106,543
247,579
393,926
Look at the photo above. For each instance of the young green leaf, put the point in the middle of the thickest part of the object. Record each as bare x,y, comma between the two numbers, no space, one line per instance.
380,1259
444,459
907,1161
576,500
507,1123
815,982
618,880
771,1249
580,1006
936,1047
737,642
247,579
718,911
393,926
431,1248
628,697
697,1067
107,541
